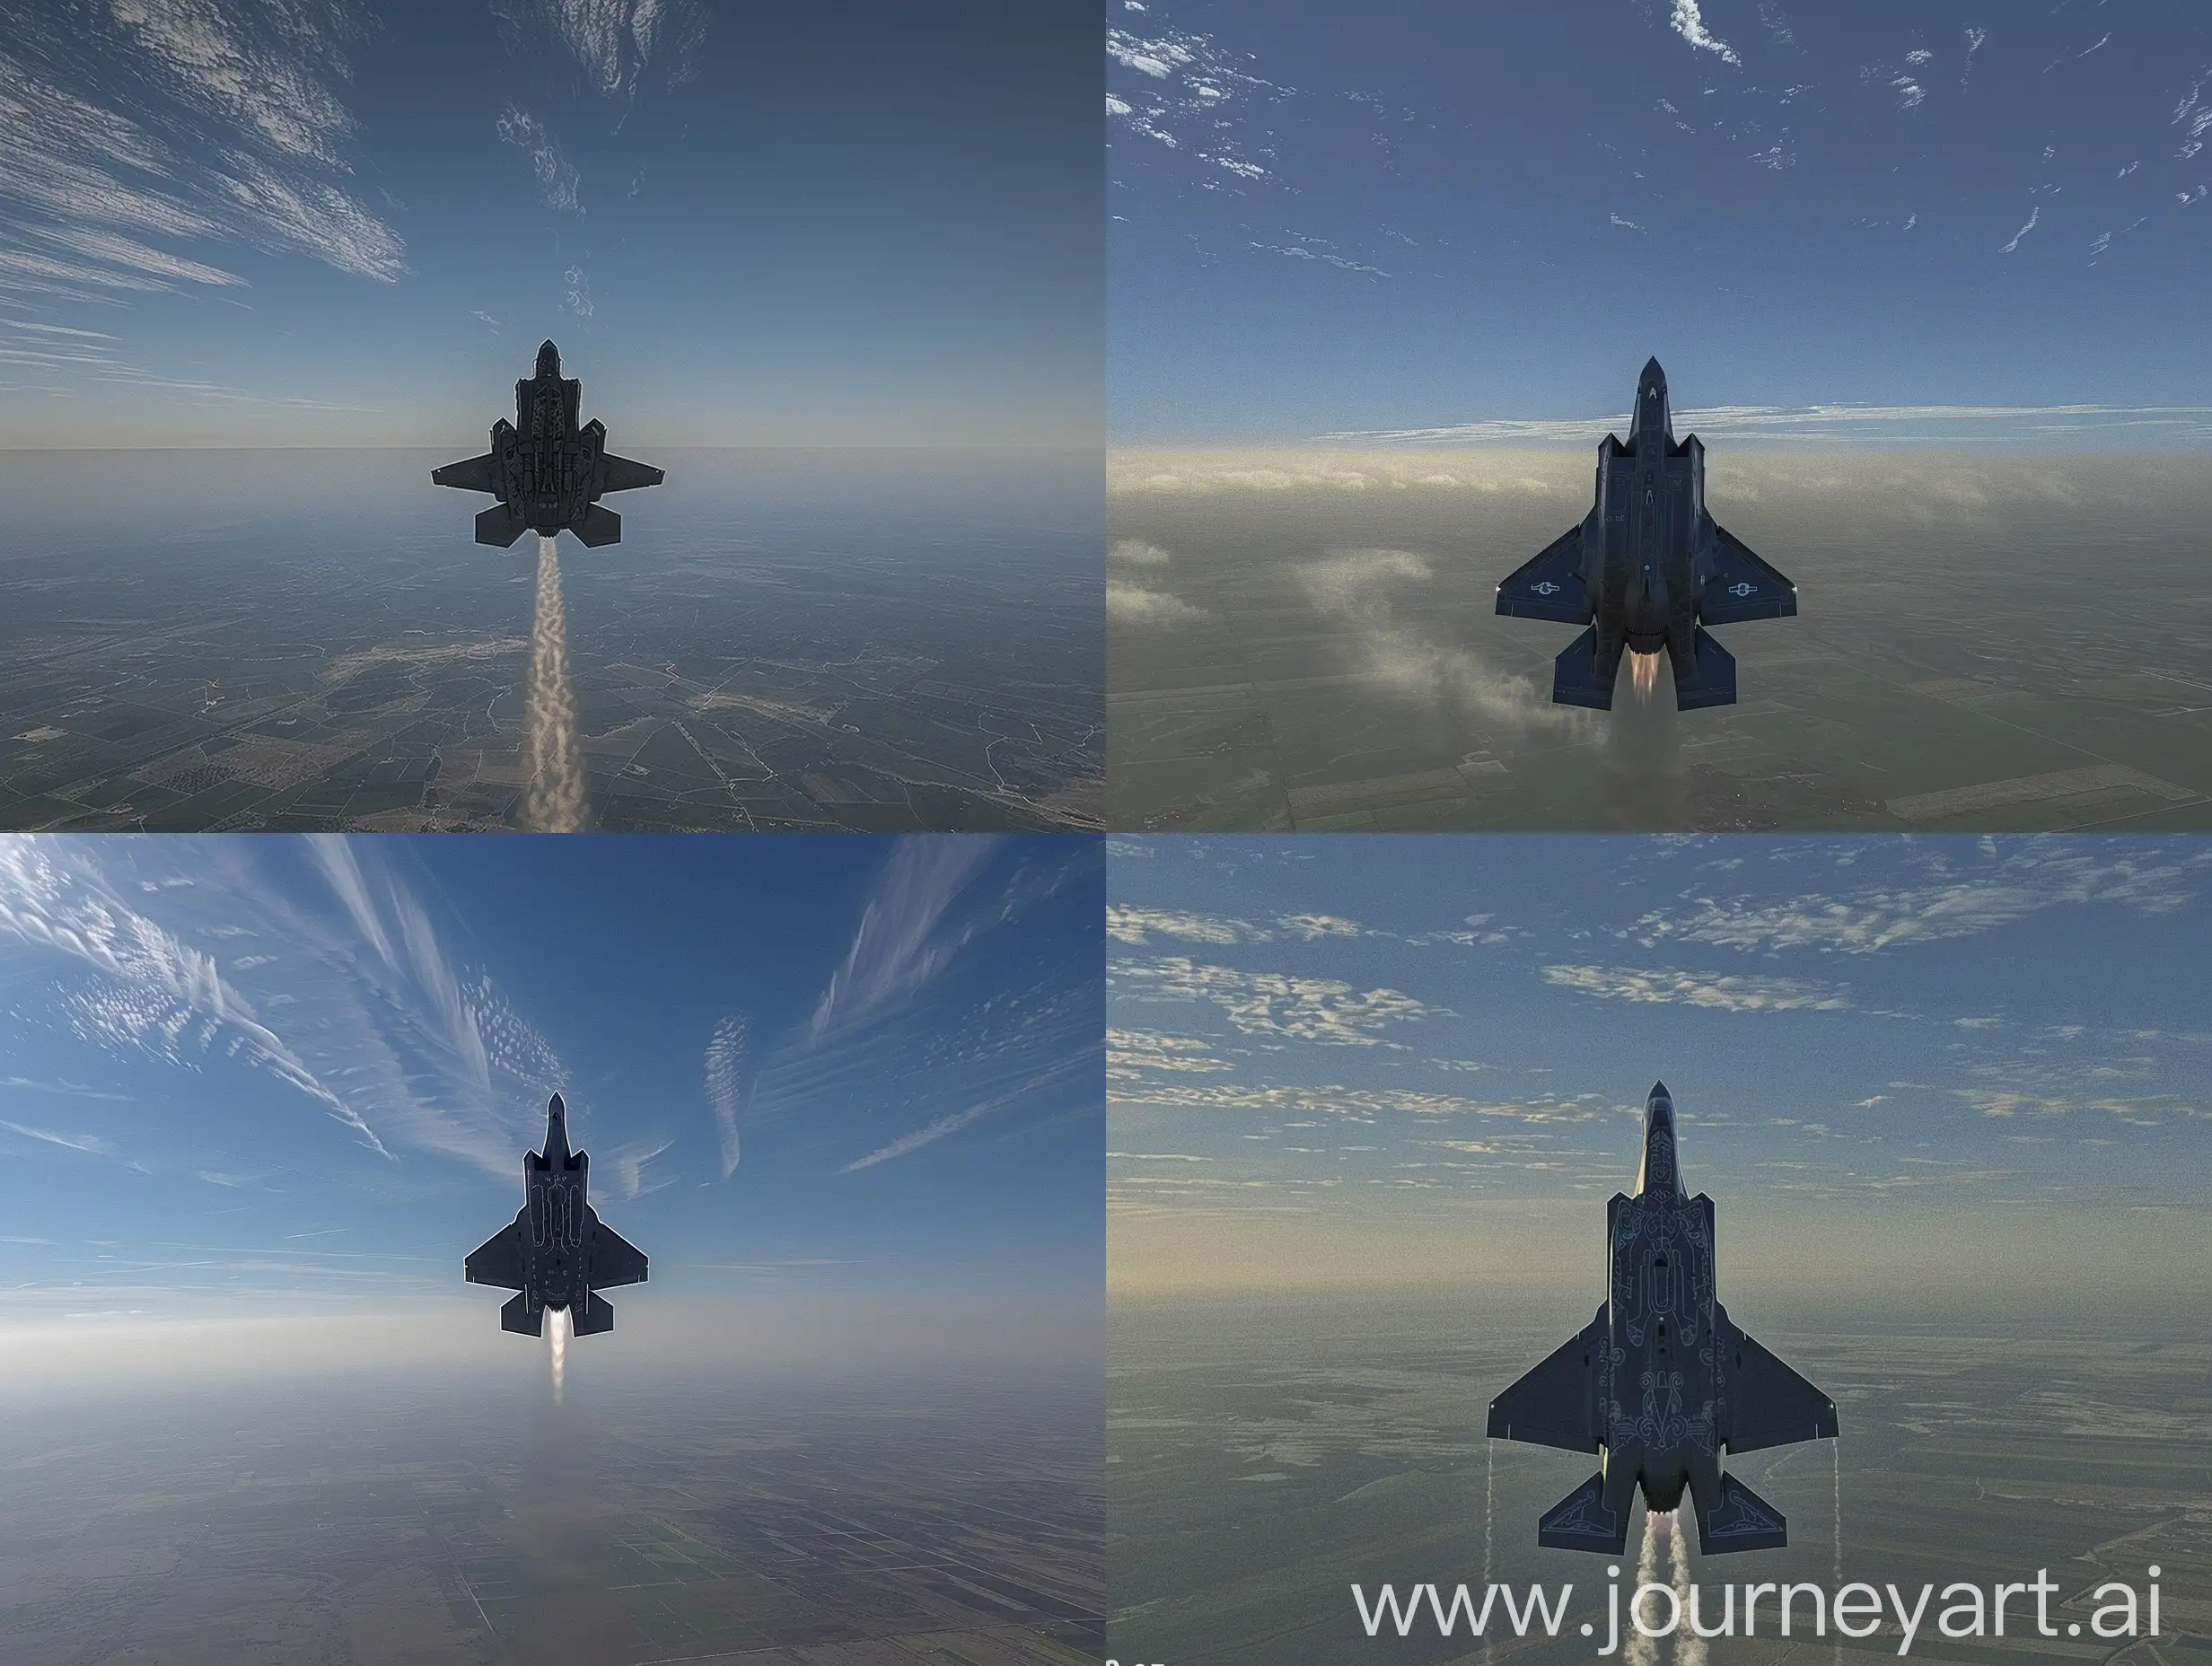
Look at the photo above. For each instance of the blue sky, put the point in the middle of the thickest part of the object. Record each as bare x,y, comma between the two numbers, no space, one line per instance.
295,1076
1479,219
319,222
1348,1059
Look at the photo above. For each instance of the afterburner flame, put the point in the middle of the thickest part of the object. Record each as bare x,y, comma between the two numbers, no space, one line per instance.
1644,675
557,1344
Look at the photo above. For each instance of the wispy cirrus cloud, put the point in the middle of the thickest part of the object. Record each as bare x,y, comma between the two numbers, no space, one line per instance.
1884,424
560,187
349,999
619,45
903,1046
903,940
93,1145
153,990
726,1051
149,123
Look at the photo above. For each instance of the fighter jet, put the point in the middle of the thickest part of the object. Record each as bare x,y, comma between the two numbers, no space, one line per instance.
1647,568
546,473
1662,1380
558,1252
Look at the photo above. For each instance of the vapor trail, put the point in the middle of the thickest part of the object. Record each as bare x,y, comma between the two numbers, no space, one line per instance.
555,801
557,1336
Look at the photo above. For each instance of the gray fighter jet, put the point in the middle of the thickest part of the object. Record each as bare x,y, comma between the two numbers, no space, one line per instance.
557,1252
1662,1380
1647,568
546,473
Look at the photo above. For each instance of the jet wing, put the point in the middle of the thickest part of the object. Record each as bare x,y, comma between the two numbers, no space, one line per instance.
1550,587
1768,1403
474,475
1553,1405
1742,586
615,1261
619,474
498,1259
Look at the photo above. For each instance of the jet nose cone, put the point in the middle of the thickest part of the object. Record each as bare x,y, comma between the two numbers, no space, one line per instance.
554,1107
1653,374
1658,1091
548,359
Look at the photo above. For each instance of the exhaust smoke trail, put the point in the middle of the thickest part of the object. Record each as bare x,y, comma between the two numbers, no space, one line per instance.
1637,1649
556,1345
1688,1646
555,799
1835,1480
1489,1500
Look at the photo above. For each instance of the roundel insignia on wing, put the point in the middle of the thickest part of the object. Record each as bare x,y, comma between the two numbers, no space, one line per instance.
1741,588
1545,589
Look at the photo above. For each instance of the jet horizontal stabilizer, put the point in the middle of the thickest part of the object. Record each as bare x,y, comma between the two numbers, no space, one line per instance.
522,1319
1712,675
500,525
1741,1521
598,527
597,1317
1581,1521
1575,679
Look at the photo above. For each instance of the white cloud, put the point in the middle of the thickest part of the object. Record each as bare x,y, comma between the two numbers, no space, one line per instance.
1131,1052
1358,1103
1730,994
1127,923
1129,603
1274,1004
1948,903
1690,24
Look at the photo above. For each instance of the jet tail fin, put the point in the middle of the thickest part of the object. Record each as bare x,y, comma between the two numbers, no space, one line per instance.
1582,1522
597,1317
522,1319
1712,680
1575,679
1740,1520
500,525
598,526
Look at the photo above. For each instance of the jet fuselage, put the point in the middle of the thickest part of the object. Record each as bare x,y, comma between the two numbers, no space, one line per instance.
548,467
1661,1382
1647,568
